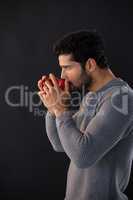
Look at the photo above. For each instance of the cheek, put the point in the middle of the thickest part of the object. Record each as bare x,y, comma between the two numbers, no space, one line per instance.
74,75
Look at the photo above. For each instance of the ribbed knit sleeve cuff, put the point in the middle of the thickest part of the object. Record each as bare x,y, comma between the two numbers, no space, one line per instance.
64,117
50,115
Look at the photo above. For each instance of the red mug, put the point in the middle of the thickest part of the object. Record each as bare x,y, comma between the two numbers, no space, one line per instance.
61,83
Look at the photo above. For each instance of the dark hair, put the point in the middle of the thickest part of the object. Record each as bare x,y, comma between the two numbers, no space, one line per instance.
83,44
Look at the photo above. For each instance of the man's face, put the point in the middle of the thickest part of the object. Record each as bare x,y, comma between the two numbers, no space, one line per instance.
73,72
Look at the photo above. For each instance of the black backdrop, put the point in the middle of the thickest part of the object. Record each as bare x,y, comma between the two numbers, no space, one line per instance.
29,168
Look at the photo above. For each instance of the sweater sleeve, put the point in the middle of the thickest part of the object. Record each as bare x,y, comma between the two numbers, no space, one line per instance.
102,133
52,134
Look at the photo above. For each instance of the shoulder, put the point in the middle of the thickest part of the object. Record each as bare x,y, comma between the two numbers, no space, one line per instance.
118,100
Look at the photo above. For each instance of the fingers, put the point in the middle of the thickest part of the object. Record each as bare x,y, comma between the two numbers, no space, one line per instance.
43,77
45,88
40,94
54,80
48,84
40,85
41,82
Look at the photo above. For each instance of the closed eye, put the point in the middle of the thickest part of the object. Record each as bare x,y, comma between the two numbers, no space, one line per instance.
65,66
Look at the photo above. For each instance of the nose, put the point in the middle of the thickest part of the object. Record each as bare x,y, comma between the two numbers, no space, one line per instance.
63,75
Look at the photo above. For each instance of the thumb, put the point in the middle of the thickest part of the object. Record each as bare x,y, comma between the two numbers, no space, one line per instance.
40,94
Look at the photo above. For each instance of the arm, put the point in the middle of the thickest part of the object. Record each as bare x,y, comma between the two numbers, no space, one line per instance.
52,134
50,124
103,132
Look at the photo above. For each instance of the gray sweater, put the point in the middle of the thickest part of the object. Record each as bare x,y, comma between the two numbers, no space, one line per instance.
98,139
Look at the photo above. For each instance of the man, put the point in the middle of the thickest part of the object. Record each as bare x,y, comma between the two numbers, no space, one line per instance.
98,138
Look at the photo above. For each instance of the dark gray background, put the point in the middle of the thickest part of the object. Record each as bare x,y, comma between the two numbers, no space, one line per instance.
29,168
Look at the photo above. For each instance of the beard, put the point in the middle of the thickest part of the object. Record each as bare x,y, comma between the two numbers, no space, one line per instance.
85,82
81,90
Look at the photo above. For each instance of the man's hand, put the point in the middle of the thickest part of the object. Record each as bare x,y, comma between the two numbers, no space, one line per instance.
41,92
53,97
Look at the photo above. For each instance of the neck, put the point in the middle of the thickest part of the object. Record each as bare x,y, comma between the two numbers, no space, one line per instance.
104,76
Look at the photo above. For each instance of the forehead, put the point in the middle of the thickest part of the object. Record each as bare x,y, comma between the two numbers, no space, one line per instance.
65,59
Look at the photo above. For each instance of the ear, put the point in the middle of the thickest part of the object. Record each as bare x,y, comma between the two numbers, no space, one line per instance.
91,65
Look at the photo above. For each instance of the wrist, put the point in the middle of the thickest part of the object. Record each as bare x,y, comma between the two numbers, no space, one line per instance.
51,112
60,111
